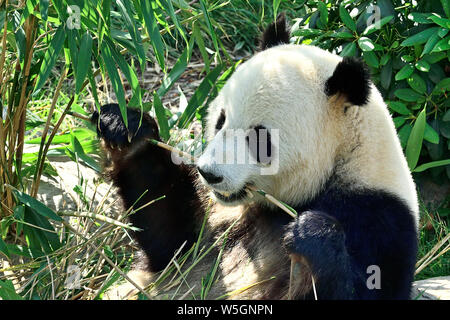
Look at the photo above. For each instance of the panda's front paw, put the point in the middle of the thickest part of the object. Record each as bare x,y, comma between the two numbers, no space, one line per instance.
317,238
111,127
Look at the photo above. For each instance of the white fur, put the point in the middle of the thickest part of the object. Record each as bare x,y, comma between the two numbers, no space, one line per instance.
283,88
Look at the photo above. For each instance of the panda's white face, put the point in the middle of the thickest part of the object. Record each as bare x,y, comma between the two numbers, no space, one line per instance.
280,91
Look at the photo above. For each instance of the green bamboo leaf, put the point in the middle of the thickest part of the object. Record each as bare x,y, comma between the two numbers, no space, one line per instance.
446,116
420,37
201,45
445,23
81,154
442,45
386,75
307,32
430,165
115,81
36,205
177,69
422,65
169,8
349,50
404,72
371,59
407,95
84,60
7,291
431,43
275,6
199,96
415,140
377,25
399,121
43,231
129,72
398,107
151,25
161,117
420,17
93,85
446,7
417,83
323,13
403,134
347,19
127,13
43,8
443,32
365,44
210,27
430,134
50,57
442,86
342,35
4,248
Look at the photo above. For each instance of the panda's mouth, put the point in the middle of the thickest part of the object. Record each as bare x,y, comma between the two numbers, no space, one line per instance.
229,197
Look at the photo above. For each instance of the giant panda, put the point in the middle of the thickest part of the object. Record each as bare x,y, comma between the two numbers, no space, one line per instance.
339,165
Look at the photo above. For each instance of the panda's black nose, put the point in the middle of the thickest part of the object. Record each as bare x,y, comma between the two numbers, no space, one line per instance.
210,177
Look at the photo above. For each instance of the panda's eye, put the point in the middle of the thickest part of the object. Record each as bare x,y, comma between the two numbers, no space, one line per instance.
259,144
221,120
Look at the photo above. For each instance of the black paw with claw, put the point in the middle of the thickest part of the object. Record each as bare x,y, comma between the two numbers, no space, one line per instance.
318,238
111,127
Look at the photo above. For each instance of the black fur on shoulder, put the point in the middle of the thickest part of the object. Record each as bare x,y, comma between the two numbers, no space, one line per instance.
276,33
351,78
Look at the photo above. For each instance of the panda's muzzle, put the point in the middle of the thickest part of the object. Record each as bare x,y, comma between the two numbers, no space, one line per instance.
210,177
225,197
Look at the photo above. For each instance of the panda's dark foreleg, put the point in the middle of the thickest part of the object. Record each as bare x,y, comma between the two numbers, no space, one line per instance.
143,173
319,239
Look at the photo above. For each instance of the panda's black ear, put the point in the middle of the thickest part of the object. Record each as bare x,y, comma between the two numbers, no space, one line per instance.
276,33
352,79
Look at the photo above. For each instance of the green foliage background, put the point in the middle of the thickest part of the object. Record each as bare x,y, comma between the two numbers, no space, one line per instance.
50,63
407,48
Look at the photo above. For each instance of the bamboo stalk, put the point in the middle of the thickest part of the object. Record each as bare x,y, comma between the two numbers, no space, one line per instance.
41,157
49,142
98,217
269,197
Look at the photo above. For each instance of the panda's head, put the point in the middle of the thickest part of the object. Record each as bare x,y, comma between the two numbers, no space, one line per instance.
282,121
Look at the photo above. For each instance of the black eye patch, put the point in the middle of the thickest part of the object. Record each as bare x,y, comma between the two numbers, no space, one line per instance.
260,144
221,120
